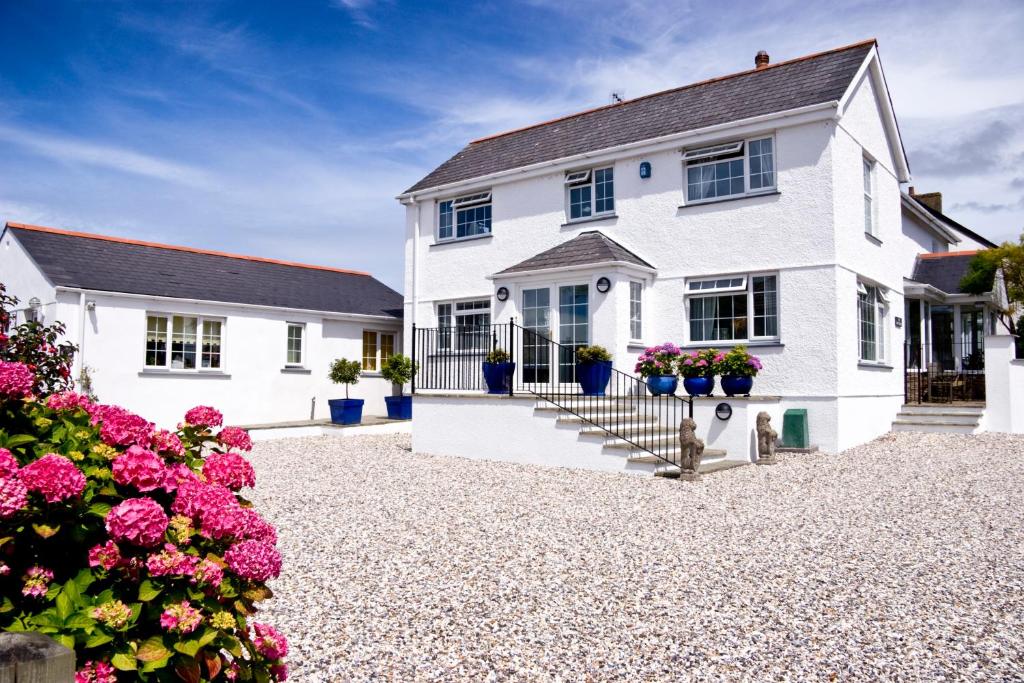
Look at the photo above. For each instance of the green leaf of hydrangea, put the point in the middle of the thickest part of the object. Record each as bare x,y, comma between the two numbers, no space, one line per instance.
147,591
97,639
153,650
123,662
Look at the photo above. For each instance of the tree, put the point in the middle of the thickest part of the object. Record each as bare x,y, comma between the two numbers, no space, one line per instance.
981,272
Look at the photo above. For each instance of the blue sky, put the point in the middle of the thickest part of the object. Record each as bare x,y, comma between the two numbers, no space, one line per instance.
286,129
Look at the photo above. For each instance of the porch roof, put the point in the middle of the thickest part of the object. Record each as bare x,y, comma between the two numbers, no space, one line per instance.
943,270
587,248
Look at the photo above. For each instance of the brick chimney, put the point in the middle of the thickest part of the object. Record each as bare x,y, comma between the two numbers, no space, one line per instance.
761,60
933,200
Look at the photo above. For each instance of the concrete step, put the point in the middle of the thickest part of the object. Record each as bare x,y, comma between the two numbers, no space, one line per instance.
616,423
941,409
933,427
940,418
706,467
643,456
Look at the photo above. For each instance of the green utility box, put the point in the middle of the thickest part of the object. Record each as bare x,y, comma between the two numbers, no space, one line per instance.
794,429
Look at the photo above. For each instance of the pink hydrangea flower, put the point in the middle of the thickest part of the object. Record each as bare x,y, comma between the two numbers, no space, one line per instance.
37,581
269,642
140,468
16,380
107,555
114,614
68,400
96,672
171,562
180,617
204,416
279,672
4,569
176,474
235,437
120,427
54,477
254,560
208,573
163,441
256,528
13,496
213,506
8,464
140,521
229,469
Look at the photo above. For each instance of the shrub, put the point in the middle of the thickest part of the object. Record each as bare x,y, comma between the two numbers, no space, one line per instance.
398,369
345,372
592,354
738,362
36,346
698,363
498,355
658,360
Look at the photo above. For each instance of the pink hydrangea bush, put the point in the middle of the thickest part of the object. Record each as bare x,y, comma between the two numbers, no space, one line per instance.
130,544
658,360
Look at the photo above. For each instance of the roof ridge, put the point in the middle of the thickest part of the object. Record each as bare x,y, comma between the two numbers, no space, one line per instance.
944,254
172,247
565,117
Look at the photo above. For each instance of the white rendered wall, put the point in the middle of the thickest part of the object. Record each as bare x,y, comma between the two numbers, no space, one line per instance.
1004,386
23,279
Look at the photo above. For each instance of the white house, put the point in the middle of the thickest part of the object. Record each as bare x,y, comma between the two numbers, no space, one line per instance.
761,208
162,328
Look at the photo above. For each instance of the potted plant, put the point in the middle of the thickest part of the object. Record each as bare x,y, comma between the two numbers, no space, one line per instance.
498,370
345,411
593,369
399,369
698,371
657,365
738,369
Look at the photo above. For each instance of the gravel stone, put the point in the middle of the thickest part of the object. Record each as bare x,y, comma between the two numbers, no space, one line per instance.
902,559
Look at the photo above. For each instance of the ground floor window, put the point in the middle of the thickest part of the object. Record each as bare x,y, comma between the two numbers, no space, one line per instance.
733,308
183,342
466,325
296,339
871,314
636,327
377,348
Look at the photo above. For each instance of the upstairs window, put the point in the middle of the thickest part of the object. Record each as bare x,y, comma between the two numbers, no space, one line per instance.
872,306
466,216
467,323
591,192
735,308
729,170
869,210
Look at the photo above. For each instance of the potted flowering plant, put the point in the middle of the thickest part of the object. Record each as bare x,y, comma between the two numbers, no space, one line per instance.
345,411
399,369
498,368
657,364
593,369
698,371
738,369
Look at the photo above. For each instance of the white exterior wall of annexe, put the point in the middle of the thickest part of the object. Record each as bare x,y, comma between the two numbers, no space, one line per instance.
810,232
252,387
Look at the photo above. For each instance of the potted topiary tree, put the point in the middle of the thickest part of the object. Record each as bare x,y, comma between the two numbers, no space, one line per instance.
657,365
498,370
593,369
399,369
345,411
738,369
698,371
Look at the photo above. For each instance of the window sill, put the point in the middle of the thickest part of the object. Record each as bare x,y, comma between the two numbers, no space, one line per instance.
460,240
589,219
873,365
872,238
296,371
635,345
751,195
194,374
723,343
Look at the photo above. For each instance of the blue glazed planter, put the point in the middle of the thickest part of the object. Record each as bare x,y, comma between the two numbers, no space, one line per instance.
662,385
593,377
498,377
346,411
735,384
399,407
699,386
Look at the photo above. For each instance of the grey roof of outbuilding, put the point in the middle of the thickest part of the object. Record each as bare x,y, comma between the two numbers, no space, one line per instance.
586,248
108,264
957,226
944,271
802,82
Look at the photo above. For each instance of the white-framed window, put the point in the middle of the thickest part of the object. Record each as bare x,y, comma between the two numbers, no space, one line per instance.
636,294
868,169
377,348
590,192
733,308
731,169
183,342
872,310
464,325
296,343
466,216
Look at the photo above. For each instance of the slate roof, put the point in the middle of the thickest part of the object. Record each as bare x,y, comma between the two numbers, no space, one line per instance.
943,270
111,264
584,249
801,82
961,228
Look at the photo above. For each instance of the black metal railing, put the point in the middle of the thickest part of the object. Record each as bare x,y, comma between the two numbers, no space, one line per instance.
451,358
943,372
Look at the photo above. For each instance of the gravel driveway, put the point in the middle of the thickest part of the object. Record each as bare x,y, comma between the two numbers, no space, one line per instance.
903,558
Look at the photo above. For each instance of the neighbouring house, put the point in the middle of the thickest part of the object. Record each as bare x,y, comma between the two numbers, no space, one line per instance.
162,328
761,208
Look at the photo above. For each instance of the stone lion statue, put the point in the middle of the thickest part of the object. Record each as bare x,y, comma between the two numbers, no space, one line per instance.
766,437
691,448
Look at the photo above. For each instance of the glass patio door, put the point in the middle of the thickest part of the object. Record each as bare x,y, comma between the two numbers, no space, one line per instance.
537,323
573,327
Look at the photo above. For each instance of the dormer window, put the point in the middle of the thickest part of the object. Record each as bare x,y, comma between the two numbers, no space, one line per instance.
590,193
729,169
466,216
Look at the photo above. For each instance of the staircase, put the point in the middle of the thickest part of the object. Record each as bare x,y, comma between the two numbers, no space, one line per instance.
949,418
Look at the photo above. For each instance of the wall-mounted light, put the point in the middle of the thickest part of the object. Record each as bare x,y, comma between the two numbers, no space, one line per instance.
502,294
723,411
603,284
645,169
